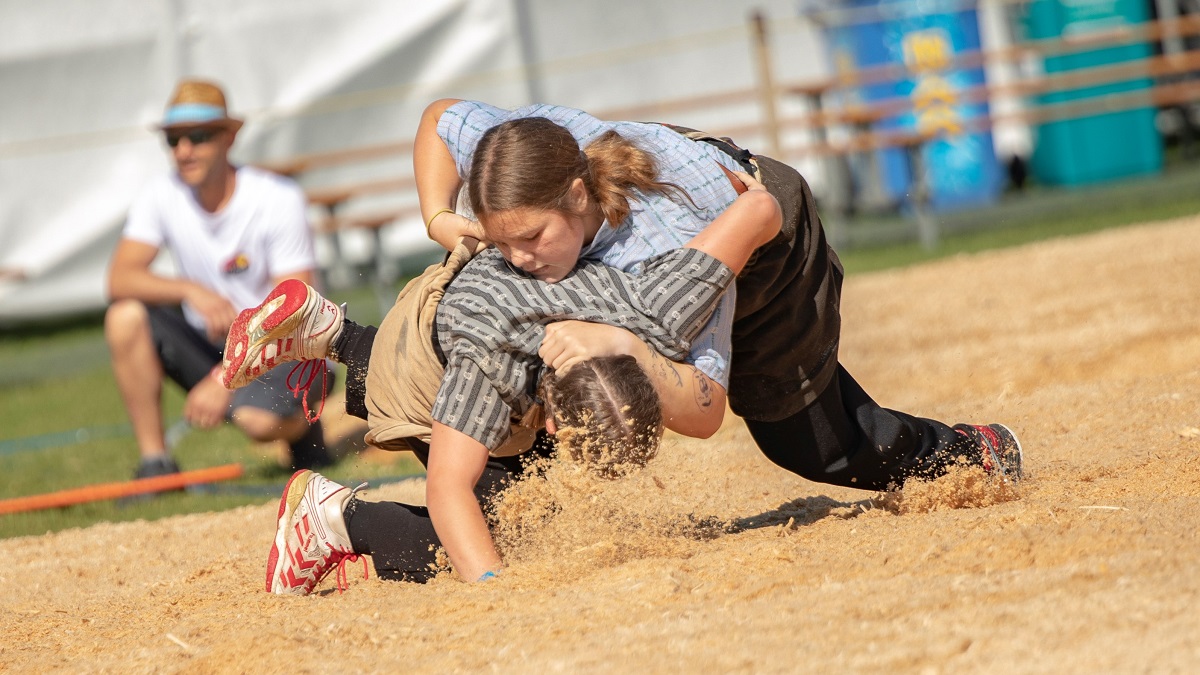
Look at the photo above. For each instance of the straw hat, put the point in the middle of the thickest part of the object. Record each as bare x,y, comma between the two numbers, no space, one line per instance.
197,102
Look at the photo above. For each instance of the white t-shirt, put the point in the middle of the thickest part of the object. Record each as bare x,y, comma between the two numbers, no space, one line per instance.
260,235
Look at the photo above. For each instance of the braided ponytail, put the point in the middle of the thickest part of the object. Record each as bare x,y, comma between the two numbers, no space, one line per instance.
608,413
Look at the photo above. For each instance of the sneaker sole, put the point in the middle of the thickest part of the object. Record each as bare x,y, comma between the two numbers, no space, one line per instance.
280,318
293,494
1020,451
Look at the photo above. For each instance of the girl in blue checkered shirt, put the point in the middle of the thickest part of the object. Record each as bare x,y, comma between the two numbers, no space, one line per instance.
550,185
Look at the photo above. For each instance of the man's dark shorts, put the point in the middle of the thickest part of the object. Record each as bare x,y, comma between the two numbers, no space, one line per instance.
187,357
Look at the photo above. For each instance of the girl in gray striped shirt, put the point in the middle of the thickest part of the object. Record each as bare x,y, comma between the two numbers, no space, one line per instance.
490,325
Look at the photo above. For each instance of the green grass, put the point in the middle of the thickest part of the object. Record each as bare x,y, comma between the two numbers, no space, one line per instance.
62,424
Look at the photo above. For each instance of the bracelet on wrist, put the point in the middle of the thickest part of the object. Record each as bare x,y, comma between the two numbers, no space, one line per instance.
429,223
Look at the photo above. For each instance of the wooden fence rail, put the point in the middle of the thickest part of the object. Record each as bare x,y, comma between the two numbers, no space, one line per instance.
833,127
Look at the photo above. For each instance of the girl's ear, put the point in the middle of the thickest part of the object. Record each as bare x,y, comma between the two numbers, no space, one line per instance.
577,196
551,427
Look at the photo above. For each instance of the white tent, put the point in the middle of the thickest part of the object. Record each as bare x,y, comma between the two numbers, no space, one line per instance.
83,82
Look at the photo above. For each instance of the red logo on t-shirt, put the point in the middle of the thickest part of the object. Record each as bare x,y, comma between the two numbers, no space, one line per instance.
237,264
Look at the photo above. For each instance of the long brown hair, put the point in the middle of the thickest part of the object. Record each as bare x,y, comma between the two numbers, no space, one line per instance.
608,414
531,162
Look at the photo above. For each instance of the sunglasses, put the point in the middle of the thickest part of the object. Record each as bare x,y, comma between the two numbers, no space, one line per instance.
195,136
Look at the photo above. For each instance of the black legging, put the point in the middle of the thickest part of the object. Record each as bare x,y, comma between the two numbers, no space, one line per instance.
847,439
400,537
352,348
802,408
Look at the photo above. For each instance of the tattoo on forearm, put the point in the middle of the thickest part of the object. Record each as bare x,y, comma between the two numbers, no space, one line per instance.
703,389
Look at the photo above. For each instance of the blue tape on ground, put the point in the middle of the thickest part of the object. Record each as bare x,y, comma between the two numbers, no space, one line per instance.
59,439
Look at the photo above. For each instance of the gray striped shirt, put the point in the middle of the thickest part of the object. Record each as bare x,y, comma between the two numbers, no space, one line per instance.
493,318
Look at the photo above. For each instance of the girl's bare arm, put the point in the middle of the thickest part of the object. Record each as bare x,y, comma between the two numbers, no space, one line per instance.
438,182
456,461
753,219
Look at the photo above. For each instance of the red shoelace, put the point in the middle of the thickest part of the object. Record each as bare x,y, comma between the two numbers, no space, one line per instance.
342,582
305,372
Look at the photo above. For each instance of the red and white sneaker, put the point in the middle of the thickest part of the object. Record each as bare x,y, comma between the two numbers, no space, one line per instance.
999,450
294,323
311,537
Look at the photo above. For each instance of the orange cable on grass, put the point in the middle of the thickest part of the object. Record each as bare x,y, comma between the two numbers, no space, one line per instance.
130,488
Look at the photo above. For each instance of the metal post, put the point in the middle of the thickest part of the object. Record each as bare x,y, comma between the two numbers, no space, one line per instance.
339,275
1168,12
176,35
387,271
533,75
927,227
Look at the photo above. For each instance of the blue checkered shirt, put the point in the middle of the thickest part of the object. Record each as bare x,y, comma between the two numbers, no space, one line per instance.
657,223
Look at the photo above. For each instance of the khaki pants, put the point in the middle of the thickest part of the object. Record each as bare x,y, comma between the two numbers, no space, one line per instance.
405,373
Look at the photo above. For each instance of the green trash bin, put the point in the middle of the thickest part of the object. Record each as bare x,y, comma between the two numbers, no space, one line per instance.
1099,147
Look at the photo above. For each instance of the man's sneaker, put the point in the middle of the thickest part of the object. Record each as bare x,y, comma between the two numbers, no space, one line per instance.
311,537
999,449
294,323
151,467
161,465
